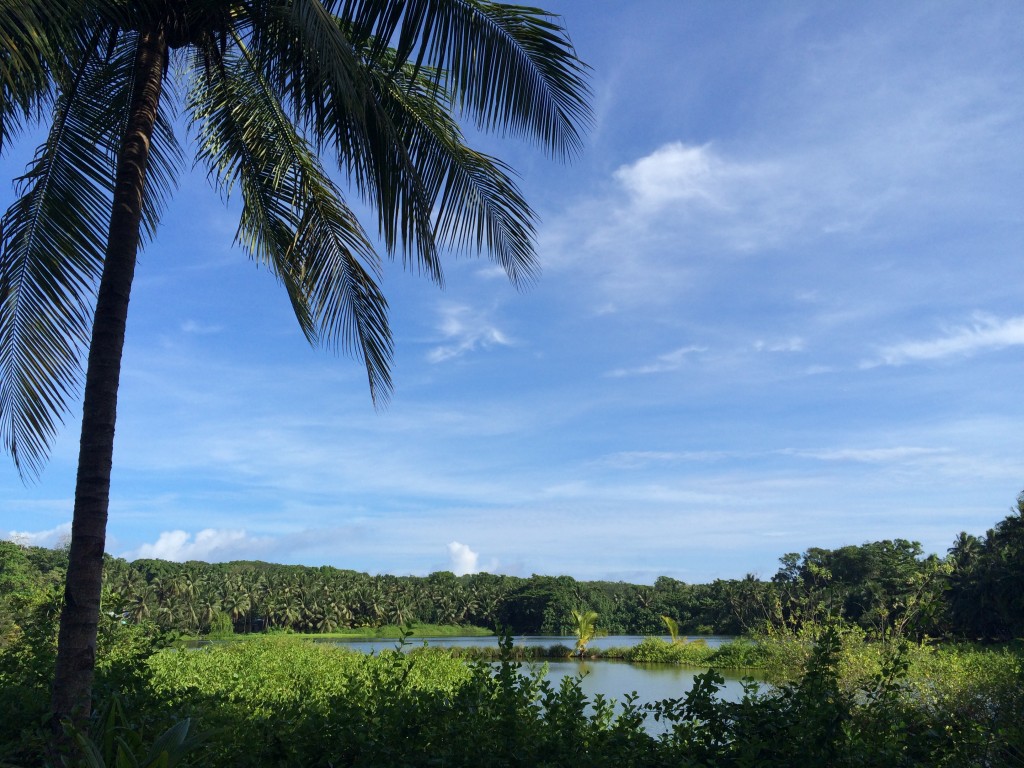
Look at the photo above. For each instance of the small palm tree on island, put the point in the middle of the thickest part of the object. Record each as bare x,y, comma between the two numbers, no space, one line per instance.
673,632
584,626
673,629
269,88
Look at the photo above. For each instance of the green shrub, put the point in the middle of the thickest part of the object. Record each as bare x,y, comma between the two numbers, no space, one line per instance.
655,650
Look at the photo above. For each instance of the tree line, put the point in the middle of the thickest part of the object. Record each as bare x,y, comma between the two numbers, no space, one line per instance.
889,587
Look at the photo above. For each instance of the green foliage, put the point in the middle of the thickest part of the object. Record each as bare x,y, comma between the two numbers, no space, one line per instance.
26,669
27,662
840,701
27,658
117,743
885,587
294,703
220,626
656,650
846,692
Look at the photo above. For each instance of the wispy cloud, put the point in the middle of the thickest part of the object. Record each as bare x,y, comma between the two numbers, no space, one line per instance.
858,145
640,459
200,329
698,196
792,344
985,333
887,455
670,361
465,330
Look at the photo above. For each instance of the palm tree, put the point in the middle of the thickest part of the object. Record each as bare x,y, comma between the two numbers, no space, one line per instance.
140,602
673,628
270,85
209,606
584,626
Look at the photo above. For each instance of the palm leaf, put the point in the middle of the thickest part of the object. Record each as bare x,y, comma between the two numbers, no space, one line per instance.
341,110
32,33
477,206
52,241
511,67
294,218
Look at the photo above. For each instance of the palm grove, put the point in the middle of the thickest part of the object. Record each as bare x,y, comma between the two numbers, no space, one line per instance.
274,92
889,589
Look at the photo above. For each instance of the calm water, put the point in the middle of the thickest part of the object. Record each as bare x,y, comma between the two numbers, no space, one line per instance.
610,641
614,679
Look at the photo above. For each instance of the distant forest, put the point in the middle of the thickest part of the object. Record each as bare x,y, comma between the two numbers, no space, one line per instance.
975,591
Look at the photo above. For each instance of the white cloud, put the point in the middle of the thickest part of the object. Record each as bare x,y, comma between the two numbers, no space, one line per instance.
670,361
208,544
984,334
53,537
463,559
676,173
465,330
861,142
741,204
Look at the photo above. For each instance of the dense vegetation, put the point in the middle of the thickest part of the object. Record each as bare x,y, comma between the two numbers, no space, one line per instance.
284,702
834,630
887,588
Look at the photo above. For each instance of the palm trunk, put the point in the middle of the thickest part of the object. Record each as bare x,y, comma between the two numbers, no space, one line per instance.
76,646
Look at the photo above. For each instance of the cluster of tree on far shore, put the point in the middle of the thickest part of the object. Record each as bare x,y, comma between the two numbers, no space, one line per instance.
975,591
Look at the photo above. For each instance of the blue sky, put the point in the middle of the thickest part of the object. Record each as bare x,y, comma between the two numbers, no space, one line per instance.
780,307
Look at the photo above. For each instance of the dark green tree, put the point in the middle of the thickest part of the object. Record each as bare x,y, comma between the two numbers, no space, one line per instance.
986,583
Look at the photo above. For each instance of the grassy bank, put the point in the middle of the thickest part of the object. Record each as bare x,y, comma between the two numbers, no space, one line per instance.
738,654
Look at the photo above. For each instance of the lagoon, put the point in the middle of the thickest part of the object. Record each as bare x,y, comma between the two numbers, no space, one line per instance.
529,641
613,679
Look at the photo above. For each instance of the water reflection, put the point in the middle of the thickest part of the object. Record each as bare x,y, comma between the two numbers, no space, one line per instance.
651,682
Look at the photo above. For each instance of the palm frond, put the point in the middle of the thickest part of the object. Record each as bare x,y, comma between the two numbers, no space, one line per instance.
52,242
344,112
33,36
294,218
477,205
306,59
511,67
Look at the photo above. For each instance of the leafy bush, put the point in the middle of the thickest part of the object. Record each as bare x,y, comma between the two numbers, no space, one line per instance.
655,650
289,702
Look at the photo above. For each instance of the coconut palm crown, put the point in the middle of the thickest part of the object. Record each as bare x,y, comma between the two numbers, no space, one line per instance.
274,93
